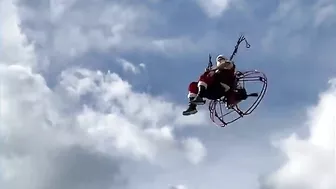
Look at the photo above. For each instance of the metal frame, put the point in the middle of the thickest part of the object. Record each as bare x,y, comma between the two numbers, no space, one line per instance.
218,110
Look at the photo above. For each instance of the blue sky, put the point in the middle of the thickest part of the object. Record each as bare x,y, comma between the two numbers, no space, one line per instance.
100,86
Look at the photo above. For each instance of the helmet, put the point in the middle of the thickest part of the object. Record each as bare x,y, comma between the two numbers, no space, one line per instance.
221,59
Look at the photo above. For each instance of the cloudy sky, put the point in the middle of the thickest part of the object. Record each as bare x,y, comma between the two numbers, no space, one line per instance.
87,99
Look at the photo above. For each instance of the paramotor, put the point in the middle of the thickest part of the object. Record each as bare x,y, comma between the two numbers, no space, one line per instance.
252,80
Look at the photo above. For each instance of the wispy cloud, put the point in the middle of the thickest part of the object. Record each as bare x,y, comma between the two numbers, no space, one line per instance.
292,22
214,8
130,67
325,13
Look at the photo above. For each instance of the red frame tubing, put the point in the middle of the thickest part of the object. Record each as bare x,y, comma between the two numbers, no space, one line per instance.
218,116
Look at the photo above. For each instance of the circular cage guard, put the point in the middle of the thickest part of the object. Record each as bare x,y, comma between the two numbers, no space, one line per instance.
218,109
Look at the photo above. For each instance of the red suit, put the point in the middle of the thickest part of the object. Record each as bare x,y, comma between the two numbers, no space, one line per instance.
226,78
224,74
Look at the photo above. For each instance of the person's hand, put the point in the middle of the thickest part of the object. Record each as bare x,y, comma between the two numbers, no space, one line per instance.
238,73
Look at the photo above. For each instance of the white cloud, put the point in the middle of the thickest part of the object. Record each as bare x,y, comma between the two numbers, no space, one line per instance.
96,113
144,119
179,187
142,65
214,8
67,29
129,66
174,46
14,48
311,162
195,150
115,26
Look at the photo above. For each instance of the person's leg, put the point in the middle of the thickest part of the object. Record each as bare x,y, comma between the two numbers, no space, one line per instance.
192,93
205,79
231,99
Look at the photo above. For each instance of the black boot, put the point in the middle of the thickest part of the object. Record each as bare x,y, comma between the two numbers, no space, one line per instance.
191,108
241,94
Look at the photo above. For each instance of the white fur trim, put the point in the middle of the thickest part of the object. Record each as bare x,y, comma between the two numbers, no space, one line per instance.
201,83
226,87
190,95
